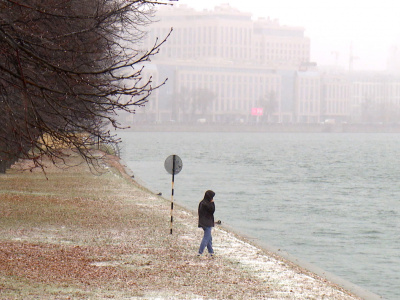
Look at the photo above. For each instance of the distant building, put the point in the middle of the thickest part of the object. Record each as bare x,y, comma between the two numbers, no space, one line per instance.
279,46
335,95
375,98
225,36
308,97
222,66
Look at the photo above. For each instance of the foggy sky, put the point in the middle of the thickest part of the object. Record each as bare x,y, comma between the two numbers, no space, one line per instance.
371,27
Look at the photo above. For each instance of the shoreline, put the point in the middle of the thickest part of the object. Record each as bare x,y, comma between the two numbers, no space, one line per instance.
309,267
76,234
266,128
304,266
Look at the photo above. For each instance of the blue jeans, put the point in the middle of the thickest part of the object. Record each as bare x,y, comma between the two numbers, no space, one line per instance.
206,241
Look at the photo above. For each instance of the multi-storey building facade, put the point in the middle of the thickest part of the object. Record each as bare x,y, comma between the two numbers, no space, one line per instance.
375,98
226,35
308,97
279,46
221,65
231,63
335,95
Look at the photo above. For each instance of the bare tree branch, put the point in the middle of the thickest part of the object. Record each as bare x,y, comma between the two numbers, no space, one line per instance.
66,68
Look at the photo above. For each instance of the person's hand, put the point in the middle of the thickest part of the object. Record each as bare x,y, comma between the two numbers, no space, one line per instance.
212,200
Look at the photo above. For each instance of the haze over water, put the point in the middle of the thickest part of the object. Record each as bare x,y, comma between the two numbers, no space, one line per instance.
329,199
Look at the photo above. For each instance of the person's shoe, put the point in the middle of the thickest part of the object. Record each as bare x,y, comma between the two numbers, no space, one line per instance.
212,255
198,254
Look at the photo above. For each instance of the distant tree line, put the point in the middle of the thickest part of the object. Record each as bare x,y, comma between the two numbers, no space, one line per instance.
191,104
66,68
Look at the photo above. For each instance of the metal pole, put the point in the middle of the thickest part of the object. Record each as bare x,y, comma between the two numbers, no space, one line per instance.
172,192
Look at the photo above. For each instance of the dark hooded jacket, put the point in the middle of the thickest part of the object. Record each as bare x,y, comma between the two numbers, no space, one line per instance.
206,210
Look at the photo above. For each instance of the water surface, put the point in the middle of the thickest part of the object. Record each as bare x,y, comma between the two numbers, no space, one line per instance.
329,199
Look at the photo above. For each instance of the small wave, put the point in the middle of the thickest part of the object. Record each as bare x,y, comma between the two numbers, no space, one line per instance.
327,233
371,233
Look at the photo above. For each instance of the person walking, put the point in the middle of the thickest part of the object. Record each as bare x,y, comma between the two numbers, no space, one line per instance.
206,221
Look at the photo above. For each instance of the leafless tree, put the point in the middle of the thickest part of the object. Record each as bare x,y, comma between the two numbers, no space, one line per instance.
66,68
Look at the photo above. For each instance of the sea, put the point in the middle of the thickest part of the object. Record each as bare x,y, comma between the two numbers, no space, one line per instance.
330,199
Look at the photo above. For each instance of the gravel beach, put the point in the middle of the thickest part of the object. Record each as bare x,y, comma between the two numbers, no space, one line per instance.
79,234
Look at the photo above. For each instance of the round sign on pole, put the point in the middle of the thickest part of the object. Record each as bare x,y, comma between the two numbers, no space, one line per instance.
173,164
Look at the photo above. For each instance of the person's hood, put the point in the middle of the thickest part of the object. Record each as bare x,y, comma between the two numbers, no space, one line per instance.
209,195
